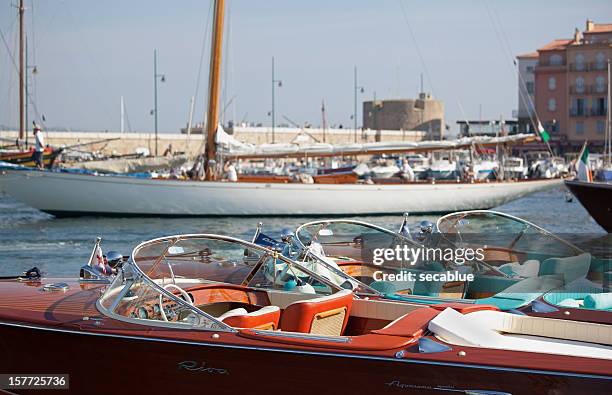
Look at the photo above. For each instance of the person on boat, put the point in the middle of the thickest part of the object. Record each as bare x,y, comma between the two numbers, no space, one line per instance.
168,151
230,172
197,171
39,148
407,172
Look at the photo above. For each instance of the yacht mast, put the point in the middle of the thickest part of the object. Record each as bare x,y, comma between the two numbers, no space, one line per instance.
214,83
21,9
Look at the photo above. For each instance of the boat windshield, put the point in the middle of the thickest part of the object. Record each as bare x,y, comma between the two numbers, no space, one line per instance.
154,285
476,255
355,248
494,229
348,240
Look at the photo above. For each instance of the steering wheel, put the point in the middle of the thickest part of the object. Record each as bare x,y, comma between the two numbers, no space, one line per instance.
161,296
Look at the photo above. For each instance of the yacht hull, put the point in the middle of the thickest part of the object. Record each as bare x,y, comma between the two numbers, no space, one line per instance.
65,194
596,197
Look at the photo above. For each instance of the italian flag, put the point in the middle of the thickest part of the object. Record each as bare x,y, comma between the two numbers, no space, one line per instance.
543,133
582,165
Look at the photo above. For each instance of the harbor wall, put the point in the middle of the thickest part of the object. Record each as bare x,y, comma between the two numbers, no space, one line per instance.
127,143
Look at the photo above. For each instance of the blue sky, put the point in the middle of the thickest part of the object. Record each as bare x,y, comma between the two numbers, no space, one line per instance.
90,53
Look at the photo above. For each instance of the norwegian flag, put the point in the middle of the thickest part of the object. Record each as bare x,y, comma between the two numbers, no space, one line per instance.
100,259
97,259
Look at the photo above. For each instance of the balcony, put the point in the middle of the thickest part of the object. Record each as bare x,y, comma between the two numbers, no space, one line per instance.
586,67
548,63
587,89
578,112
586,112
597,66
578,90
578,67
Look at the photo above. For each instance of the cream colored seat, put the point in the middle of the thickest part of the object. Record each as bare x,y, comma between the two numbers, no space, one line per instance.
265,318
233,312
498,330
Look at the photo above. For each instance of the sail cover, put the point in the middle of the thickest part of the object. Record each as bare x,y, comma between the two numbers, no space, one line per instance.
237,150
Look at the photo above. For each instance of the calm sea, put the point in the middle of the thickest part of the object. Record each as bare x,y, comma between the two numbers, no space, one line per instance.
29,237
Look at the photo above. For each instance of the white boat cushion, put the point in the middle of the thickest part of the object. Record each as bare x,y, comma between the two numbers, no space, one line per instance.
529,334
231,313
263,310
546,327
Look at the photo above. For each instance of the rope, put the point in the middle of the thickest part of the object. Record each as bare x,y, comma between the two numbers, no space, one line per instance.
202,51
507,51
418,49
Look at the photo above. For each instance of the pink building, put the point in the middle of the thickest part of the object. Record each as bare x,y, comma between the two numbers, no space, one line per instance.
571,87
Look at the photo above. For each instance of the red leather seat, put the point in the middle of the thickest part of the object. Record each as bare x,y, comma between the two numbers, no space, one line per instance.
327,315
265,318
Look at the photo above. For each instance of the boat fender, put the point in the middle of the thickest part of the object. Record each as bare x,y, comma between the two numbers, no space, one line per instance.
305,288
290,285
601,301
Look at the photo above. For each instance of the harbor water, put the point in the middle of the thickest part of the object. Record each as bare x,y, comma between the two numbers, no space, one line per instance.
59,246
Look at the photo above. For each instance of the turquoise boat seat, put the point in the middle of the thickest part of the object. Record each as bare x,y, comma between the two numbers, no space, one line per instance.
572,268
584,293
490,284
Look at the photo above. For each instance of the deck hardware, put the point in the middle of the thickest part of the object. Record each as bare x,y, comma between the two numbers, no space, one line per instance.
461,353
541,307
215,336
54,287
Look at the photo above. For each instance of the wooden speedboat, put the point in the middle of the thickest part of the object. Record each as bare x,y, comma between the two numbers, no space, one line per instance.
522,265
274,318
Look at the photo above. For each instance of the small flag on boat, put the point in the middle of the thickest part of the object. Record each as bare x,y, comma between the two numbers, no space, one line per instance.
543,133
266,241
583,169
100,259
404,228
97,258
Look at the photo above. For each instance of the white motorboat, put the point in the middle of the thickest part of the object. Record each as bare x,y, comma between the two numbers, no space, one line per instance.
514,167
387,171
443,169
485,169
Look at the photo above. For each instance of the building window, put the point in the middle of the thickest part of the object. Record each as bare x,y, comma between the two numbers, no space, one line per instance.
556,60
601,126
579,128
552,104
599,106
579,62
578,107
600,61
530,87
600,84
552,83
529,69
580,85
